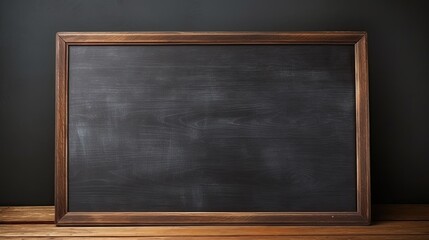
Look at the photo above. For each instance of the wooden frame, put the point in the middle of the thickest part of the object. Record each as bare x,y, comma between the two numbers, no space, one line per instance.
65,218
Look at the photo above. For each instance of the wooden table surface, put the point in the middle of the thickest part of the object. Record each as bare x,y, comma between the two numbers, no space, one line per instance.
390,222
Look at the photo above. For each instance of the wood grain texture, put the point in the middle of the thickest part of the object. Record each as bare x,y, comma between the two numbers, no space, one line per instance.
362,203
362,128
61,127
27,214
346,237
379,228
100,38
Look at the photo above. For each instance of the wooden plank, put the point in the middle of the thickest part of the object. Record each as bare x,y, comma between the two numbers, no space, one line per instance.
401,212
379,228
27,214
367,237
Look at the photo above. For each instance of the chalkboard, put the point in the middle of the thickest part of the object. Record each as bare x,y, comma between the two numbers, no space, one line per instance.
216,128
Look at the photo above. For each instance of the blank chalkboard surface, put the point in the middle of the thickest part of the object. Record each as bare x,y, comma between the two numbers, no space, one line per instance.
212,128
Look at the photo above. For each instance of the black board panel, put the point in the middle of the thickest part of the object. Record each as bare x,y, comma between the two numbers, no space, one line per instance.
212,128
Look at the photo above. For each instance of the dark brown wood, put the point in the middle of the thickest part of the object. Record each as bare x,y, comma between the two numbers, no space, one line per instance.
358,39
61,128
362,129
212,218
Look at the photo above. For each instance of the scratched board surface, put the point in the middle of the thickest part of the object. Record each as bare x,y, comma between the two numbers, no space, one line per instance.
212,128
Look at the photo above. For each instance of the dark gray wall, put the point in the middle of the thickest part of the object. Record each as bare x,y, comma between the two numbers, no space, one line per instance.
398,57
